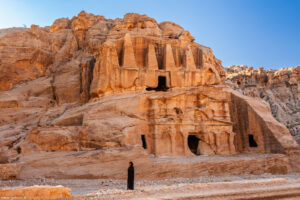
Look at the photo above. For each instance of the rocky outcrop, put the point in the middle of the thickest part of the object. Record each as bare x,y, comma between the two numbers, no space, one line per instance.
36,192
81,98
280,88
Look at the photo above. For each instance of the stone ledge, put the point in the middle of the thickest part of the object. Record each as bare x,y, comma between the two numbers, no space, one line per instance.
36,192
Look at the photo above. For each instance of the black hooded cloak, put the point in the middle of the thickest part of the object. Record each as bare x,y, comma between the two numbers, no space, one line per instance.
130,179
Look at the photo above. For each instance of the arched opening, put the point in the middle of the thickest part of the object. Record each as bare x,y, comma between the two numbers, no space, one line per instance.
144,143
252,142
193,142
161,86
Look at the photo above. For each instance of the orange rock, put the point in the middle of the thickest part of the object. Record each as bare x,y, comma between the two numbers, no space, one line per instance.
36,192
62,23
128,54
85,96
169,63
151,58
189,59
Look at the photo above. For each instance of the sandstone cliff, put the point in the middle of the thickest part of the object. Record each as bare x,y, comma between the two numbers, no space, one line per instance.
280,88
81,98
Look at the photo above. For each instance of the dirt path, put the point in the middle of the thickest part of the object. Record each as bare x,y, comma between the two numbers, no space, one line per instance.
277,188
116,189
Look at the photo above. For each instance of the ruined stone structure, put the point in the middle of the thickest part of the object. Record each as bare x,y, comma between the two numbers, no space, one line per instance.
92,93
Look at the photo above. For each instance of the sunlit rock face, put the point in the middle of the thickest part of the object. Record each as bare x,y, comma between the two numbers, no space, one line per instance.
280,88
90,93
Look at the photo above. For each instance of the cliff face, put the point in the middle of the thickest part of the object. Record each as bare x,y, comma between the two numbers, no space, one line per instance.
280,88
136,41
84,96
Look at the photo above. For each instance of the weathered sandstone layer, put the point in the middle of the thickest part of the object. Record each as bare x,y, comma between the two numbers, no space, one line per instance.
36,192
280,88
81,98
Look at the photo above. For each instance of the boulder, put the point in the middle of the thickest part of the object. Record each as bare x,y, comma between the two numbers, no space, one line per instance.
36,192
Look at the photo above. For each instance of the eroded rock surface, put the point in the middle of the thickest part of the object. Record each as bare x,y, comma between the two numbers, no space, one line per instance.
36,192
280,88
84,96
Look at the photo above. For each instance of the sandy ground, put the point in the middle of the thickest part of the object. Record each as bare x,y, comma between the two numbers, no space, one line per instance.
81,187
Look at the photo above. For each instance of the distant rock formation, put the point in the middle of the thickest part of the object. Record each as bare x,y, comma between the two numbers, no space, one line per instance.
280,88
81,98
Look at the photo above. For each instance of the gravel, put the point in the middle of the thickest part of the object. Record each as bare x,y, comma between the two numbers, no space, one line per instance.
88,186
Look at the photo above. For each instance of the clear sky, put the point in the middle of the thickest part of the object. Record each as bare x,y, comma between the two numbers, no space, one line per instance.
251,32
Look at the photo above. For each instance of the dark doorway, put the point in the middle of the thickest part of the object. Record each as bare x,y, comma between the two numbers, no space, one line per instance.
162,83
193,143
144,141
252,142
161,86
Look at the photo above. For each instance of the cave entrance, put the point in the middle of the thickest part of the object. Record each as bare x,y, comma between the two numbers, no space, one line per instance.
193,142
144,141
252,142
161,86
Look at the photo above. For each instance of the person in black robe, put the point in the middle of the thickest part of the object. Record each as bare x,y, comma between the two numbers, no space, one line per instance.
130,178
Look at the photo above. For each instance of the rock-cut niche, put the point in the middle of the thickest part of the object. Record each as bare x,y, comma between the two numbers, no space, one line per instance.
193,142
144,143
252,142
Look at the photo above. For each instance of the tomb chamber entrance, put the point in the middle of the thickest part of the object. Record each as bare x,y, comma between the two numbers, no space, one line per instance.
161,86
193,142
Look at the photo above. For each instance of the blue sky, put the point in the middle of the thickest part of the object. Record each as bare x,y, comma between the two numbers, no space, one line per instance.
259,33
